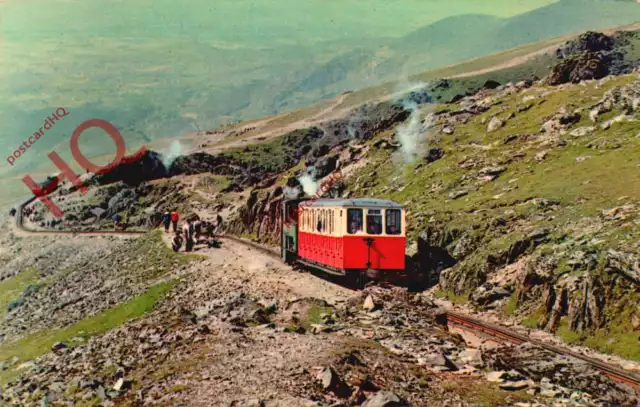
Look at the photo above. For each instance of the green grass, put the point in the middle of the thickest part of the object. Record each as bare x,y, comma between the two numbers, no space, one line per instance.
512,304
619,337
314,315
12,288
485,394
533,179
40,343
275,155
212,184
457,299
531,320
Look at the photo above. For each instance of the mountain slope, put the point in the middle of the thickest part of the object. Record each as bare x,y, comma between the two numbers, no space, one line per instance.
463,37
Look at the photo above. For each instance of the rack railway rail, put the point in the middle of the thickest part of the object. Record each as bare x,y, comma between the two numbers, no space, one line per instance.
469,323
452,318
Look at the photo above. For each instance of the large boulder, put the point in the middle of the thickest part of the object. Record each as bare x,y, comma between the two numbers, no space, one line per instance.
591,56
385,399
487,293
148,166
588,42
578,68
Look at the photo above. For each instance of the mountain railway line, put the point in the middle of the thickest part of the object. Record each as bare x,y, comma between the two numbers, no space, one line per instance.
453,319
505,335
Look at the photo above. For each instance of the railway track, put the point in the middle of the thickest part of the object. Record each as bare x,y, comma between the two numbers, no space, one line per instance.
453,318
20,225
505,335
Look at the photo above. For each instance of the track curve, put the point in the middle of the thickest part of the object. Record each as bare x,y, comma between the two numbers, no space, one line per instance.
20,225
452,318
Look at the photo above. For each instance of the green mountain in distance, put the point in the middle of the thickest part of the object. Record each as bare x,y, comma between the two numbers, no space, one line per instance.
463,37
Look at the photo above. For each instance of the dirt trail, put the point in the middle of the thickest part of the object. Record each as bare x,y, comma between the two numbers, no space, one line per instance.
263,273
219,144
525,58
507,64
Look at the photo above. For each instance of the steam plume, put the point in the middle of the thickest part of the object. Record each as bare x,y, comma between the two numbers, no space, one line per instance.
308,182
412,135
175,151
290,193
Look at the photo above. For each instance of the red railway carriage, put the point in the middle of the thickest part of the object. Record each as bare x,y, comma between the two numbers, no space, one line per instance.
346,236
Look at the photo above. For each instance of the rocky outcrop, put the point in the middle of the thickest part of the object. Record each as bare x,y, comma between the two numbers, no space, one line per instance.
588,42
261,216
589,65
624,98
592,56
472,272
148,167
198,163
363,123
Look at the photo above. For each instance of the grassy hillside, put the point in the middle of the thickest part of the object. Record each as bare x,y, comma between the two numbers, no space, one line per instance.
551,217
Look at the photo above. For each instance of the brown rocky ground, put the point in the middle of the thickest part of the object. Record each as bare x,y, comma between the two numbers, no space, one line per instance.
241,328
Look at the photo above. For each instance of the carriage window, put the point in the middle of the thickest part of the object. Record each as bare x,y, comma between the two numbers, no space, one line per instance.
324,220
374,222
354,220
319,219
393,221
331,221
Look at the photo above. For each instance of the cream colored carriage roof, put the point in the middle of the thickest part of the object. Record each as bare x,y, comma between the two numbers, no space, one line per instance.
356,203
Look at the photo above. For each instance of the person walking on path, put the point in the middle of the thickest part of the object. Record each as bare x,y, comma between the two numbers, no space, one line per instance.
174,219
166,220
197,229
218,224
188,235
177,242
116,221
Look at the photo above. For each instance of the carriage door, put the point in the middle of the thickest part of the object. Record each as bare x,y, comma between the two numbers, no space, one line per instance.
374,230
325,238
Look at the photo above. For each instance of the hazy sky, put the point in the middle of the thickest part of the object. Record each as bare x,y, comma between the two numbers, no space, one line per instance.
257,21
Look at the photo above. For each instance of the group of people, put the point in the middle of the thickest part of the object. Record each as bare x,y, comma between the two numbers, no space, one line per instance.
191,230
169,219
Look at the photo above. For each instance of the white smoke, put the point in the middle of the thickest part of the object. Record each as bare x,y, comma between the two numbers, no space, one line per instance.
290,193
409,136
308,182
175,151
412,136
